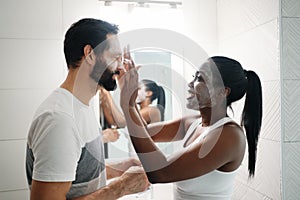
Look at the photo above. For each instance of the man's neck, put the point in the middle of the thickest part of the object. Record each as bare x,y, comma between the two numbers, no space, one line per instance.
81,87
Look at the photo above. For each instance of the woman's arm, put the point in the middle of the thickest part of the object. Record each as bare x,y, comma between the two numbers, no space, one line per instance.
172,130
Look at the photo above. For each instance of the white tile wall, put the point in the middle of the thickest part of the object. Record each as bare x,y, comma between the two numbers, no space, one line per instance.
200,19
291,81
15,195
256,49
291,113
18,107
291,170
290,8
291,48
73,10
12,168
31,63
249,32
271,124
268,170
236,16
33,19
243,192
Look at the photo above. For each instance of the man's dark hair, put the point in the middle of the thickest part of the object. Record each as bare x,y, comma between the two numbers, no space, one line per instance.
86,31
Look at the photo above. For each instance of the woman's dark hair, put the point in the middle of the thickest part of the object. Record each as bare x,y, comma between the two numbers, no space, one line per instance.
157,93
243,82
86,31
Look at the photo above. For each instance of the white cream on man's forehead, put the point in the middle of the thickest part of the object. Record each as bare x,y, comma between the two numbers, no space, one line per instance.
114,44
115,49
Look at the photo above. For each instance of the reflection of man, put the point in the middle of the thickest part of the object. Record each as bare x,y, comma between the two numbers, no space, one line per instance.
64,151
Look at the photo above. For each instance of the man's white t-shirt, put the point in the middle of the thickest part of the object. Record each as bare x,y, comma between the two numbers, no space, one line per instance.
65,144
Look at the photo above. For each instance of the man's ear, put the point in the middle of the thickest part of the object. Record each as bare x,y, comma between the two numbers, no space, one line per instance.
227,91
89,55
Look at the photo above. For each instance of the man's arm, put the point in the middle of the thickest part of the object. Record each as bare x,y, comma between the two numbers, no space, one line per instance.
49,190
115,169
111,112
132,181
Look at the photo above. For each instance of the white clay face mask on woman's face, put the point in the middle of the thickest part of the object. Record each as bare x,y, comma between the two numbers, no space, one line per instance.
142,94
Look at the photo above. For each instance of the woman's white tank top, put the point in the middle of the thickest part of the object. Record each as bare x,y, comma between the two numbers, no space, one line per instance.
215,185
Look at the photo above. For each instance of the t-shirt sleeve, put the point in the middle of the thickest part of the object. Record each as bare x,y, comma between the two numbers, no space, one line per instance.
56,148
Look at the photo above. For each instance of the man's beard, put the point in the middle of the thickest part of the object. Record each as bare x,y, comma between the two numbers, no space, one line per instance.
106,80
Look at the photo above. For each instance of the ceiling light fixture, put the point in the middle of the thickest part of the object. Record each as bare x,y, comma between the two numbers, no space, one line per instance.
144,3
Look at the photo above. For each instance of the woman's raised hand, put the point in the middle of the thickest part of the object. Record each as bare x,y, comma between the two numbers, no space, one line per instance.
129,81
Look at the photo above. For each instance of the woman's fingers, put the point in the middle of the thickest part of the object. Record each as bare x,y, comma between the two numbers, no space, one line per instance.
128,62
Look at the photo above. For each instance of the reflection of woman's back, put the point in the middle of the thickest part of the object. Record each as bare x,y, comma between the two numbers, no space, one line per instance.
148,92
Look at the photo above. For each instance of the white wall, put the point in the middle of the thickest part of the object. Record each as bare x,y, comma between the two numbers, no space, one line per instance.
290,83
248,32
31,66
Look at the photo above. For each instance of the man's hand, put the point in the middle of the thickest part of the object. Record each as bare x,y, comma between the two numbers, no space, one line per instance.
110,135
118,168
135,180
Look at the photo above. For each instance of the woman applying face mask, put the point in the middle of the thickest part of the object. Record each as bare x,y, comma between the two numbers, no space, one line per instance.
212,146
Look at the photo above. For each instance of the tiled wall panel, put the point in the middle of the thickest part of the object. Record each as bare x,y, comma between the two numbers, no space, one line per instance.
291,110
17,108
249,32
291,48
271,123
291,170
31,19
243,192
257,49
12,168
15,195
290,22
236,16
74,10
31,63
201,31
290,8
268,170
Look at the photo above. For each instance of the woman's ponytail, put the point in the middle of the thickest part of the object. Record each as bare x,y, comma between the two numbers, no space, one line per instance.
161,102
252,117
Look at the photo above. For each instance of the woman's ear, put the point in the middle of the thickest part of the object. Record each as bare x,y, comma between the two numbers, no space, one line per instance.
89,55
149,93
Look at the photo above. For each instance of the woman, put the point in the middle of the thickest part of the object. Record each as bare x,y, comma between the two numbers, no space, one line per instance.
148,92
213,146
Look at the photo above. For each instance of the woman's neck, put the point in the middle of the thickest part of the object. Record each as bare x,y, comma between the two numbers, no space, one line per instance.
145,103
211,115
